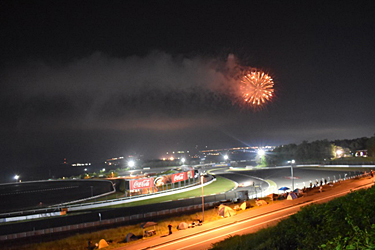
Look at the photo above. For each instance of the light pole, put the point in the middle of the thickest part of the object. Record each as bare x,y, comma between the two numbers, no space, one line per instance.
16,177
291,171
202,198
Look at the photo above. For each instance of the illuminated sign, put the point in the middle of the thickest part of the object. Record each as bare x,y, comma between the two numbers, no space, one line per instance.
141,183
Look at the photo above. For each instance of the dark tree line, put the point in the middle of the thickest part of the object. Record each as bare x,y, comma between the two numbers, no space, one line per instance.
318,151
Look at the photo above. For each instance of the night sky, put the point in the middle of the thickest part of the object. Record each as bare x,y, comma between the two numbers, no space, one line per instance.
90,80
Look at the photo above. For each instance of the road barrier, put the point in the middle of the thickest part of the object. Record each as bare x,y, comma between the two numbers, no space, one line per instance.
132,218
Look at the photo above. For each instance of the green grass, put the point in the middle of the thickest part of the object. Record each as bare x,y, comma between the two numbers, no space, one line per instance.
220,185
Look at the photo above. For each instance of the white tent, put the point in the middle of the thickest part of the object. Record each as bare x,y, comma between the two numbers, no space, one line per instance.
182,226
226,211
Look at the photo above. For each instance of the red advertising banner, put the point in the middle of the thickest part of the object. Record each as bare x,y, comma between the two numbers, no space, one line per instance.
162,180
179,177
141,183
190,174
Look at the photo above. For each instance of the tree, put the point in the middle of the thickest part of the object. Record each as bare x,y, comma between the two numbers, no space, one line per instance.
370,146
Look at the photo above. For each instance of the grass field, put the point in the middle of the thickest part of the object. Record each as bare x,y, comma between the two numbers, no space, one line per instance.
220,185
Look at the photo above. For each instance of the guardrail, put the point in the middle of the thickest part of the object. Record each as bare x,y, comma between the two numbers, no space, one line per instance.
43,211
84,206
55,210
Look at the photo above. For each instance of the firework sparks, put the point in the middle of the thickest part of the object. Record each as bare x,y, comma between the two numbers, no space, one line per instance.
256,88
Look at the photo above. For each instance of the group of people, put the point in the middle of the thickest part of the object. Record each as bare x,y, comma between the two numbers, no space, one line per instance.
317,183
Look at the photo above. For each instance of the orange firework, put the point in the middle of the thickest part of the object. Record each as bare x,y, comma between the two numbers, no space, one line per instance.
256,88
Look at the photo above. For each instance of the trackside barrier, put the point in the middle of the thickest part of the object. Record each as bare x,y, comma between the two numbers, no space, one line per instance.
84,206
33,214
135,217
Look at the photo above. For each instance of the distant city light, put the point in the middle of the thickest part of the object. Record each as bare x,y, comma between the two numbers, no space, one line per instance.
172,158
183,160
226,157
103,169
16,177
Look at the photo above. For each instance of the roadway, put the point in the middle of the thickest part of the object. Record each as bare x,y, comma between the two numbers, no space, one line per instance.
249,221
281,176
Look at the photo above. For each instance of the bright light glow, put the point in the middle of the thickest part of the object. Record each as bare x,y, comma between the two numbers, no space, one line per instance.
16,177
226,157
85,169
131,164
339,153
261,152
103,169
183,160
293,161
172,158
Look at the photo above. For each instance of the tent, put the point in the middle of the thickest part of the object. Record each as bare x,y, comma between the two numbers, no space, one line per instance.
292,196
226,211
273,196
261,202
148,224
130,237
182,226
298,191
102,244
243,205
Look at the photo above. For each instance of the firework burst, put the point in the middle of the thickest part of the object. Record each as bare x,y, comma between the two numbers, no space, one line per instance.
256,88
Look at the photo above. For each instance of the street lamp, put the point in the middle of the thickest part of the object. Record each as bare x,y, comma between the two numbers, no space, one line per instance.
131,164
183,161
291,172
261,152
339,153
226,157
16,177
202,198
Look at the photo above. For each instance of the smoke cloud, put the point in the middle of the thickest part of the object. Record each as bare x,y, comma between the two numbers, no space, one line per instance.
101,91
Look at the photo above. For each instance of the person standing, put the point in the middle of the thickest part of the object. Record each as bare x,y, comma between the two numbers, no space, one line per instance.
170,228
